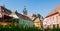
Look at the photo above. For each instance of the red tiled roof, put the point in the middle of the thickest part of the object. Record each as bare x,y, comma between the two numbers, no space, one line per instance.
4,10
57,9
22,16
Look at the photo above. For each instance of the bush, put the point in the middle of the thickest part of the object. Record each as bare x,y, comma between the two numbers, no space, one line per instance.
12,27
24,25
53,29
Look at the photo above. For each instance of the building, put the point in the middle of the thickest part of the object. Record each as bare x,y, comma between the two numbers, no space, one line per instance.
17,15
37,21
52,19
4,15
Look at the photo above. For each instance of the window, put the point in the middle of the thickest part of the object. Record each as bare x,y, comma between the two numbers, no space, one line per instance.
57,18
53,18
57,25
53,25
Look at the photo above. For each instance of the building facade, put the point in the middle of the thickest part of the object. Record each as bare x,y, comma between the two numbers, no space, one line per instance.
52,20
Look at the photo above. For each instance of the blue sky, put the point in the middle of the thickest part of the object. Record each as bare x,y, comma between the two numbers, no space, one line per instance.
42,7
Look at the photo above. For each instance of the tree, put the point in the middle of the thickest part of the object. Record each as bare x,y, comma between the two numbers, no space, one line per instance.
36,16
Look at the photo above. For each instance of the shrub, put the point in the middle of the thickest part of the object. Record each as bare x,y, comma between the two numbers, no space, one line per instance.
52,29
12,27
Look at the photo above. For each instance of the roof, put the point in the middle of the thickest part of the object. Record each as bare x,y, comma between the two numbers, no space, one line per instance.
32,18
5,10
57,9
37,20
21,16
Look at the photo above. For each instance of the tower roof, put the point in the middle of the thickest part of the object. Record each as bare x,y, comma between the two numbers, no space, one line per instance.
24,10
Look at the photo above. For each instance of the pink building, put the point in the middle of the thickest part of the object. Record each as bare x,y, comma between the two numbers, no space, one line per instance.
52,19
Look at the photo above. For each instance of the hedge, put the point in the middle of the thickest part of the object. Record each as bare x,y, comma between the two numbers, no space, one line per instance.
52,29
17,28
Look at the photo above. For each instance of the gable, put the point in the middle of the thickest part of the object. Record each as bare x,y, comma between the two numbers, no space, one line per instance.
37,20
4,10
55,11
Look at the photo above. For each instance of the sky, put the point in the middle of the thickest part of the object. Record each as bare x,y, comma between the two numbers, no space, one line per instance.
42,7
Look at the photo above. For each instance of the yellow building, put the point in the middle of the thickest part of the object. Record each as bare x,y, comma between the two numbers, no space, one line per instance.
37,21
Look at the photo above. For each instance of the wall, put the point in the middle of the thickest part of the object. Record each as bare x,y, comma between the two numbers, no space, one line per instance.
50,21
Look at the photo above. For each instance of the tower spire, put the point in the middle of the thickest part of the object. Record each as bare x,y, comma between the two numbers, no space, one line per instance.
16,11
24,11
